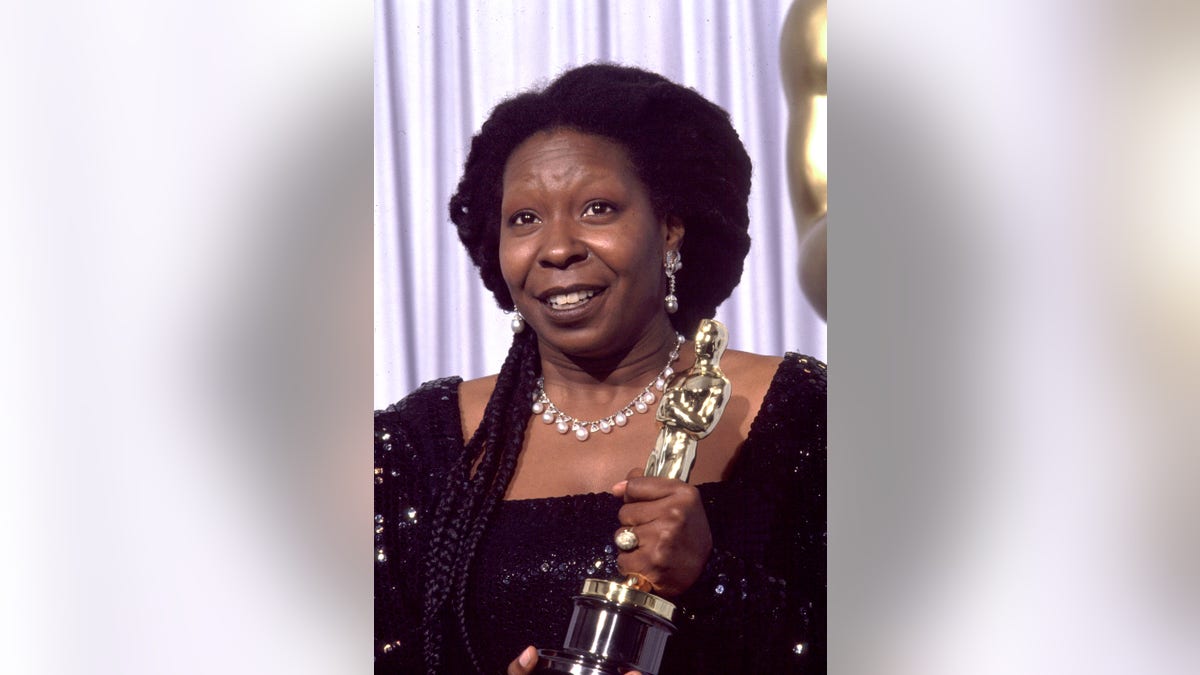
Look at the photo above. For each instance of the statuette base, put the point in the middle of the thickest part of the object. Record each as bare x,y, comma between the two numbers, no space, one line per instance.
610,637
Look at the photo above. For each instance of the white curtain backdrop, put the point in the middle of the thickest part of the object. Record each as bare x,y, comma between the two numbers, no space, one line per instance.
440,67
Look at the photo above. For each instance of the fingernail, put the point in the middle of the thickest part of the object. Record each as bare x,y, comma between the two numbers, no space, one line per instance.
620,486
526,658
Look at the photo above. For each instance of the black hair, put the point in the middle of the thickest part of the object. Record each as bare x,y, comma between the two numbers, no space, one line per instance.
469,497
687,154
683,148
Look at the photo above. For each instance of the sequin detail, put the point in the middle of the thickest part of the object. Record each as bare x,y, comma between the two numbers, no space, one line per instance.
767,522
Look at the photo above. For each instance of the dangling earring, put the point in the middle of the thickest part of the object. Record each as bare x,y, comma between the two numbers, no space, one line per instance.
671,265
518,322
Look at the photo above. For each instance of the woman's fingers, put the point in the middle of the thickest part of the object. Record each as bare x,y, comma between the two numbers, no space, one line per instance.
643,488
657,546
673,538
523,664
648,503
619,488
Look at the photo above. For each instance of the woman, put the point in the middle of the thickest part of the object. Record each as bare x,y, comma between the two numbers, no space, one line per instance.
497,497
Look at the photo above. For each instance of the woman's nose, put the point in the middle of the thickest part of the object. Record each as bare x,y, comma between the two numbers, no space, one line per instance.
562,247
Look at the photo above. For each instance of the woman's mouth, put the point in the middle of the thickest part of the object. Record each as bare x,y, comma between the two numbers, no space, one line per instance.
565,301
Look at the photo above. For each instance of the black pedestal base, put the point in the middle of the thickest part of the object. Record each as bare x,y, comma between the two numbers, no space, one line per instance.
608,638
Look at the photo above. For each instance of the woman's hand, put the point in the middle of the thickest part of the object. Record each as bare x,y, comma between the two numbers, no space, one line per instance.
674,540
523,664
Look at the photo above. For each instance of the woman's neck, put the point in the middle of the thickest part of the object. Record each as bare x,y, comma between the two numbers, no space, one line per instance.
602,380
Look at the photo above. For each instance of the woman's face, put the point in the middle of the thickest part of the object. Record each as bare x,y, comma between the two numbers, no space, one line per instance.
580,247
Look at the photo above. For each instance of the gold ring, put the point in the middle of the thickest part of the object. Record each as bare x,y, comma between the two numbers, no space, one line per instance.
625,539
639,581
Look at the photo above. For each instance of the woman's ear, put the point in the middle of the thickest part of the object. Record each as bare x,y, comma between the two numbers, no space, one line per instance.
674,233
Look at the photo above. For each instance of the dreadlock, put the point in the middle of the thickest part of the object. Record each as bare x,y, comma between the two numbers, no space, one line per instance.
469,498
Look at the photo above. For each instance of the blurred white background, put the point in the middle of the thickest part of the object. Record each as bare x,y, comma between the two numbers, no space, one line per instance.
1014,271
185,258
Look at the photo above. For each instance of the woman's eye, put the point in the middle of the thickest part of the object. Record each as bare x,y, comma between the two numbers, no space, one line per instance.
523,218
598,209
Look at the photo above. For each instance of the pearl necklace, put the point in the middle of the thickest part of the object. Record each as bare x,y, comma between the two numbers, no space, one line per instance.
584,428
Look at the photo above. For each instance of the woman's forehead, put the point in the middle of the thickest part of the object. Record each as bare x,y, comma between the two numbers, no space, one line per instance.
563,154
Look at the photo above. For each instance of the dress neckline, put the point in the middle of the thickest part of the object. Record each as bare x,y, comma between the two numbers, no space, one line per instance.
596,496
757,429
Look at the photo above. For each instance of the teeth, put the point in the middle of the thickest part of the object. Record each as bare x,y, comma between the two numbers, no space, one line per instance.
564,300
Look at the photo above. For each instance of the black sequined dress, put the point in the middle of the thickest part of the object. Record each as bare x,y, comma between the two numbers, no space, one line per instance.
759,606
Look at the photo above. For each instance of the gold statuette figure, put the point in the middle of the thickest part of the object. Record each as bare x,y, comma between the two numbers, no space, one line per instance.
618,626
691,406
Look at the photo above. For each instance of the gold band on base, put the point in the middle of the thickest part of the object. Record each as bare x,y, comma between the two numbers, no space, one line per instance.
615,591
639,582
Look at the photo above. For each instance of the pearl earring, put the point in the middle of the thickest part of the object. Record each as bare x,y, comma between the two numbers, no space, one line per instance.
671,265
518,322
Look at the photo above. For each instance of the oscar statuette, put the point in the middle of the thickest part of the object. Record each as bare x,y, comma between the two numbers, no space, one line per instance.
618,626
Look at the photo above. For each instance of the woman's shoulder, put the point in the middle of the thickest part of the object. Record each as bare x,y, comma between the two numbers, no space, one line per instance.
758,374
786,437
473,397
796,397
751,368
431,394
798,384
474,392
803,367
759,384
427,416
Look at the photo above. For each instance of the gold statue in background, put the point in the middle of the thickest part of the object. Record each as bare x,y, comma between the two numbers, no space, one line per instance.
803,63
691,406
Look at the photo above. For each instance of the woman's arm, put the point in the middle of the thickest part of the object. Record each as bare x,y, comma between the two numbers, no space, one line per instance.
761,618
766,612
399,511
